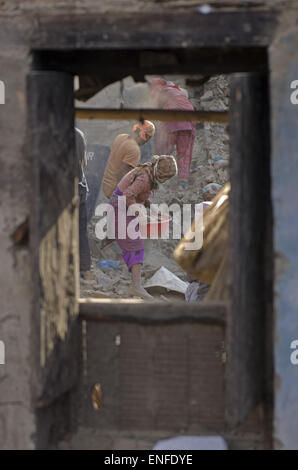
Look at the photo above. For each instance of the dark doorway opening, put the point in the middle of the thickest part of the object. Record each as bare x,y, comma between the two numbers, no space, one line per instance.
248,316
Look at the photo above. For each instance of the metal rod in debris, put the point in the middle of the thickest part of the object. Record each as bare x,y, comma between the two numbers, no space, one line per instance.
152,114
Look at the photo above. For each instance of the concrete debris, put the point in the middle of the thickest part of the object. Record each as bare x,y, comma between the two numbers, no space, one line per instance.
196,291
208,96
104,281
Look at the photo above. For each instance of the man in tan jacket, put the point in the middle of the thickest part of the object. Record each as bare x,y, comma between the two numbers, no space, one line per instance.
125,155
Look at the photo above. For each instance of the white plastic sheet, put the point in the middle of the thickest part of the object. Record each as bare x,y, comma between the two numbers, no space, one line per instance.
164,278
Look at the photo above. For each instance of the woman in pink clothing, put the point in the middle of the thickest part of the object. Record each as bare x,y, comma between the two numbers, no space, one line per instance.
171,134
137,186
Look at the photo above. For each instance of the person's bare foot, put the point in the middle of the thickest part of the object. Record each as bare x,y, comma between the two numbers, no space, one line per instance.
88,275
139,292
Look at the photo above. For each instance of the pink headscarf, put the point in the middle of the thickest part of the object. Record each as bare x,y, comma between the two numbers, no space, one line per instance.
156,85
145,130
168,96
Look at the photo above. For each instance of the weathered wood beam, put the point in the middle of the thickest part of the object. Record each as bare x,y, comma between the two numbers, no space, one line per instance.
152,114
118,64
249,225
53,234
148,313
153,30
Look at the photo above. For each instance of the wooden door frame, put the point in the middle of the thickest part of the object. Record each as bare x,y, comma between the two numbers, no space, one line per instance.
53,51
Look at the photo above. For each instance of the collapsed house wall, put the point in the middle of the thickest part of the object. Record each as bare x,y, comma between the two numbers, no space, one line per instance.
17,420
284,168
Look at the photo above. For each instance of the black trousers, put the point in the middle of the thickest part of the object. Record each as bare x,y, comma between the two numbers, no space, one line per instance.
85,258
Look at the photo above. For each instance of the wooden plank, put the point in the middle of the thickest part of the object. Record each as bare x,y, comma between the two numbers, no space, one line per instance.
250,196
112,65
153,30
148,313
152,114
51,116
53,232
153,378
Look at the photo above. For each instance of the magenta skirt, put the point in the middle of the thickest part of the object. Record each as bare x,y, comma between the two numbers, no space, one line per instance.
132,250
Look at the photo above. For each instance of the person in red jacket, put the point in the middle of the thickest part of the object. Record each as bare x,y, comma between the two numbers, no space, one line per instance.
171,134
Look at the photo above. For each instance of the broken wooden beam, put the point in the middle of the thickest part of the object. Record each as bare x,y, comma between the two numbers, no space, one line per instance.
152,114
149,313
181,28
109,66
